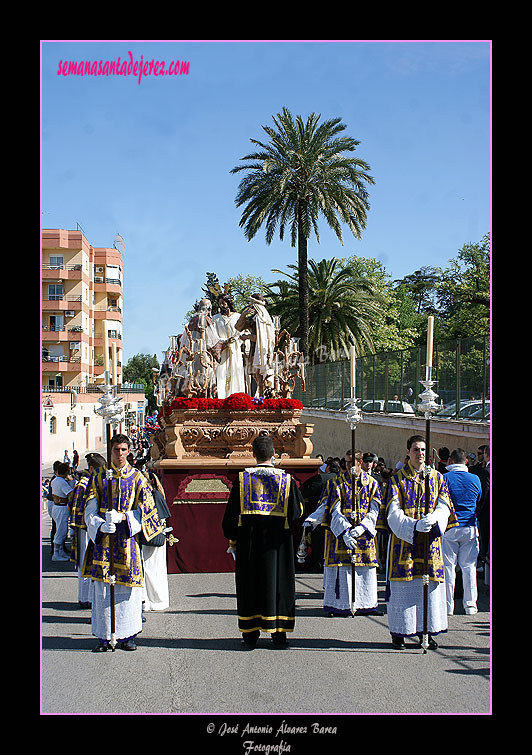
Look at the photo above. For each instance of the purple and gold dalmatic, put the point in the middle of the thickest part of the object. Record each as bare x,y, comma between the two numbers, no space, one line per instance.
77,510
264,494
408,487
130,492
77,507
336,552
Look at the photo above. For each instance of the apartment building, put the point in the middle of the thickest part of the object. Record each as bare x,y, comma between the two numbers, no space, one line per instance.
82,304
81,311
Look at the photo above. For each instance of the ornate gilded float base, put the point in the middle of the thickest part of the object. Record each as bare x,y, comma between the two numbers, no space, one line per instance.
197,434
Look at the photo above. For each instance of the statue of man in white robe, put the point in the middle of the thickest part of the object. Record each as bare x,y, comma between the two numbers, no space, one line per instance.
230,371
260,363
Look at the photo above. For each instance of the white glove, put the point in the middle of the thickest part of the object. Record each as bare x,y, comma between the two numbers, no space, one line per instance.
425,524
113,516
358,531
309,523
108,528
349,540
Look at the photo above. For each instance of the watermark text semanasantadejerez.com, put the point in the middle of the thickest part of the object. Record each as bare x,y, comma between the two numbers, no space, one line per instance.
123,67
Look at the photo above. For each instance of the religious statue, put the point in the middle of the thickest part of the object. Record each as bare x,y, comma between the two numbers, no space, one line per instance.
230,370
197,351
260,359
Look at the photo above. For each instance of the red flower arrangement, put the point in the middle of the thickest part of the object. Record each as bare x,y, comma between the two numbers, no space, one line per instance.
239,402
235,402
196,403
280,403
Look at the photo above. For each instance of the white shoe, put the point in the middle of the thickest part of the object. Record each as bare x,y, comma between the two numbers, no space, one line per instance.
470,610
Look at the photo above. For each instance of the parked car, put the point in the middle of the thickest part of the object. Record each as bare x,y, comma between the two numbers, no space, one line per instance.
392,407
332,403
481,415
467,410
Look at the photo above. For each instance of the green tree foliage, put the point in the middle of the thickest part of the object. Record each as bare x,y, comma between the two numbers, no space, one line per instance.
342,307
421,287
463,293
299,176
397,325
241,287
139,369
458,296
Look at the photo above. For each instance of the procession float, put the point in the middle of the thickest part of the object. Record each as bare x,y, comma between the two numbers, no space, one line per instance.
227,379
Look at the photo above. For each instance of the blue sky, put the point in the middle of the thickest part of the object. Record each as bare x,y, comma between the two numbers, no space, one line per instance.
152,161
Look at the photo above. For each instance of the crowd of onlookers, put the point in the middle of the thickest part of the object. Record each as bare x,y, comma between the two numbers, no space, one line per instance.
477,463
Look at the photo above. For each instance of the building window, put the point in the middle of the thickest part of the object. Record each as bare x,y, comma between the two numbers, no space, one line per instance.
56,262
53,426
55,291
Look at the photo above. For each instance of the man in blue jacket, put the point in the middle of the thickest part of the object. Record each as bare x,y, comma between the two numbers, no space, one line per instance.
460,544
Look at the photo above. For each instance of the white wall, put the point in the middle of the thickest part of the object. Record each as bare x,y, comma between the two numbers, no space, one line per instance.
89,433
85,437
386,435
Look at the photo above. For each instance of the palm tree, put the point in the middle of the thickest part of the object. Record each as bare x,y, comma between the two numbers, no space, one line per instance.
300,174
342,307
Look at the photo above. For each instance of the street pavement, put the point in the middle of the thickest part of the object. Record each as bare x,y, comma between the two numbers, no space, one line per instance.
190,661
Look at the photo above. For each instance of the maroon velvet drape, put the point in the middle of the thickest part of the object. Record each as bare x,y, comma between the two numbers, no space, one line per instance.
196,518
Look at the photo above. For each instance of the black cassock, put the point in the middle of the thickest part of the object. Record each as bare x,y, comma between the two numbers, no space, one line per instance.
260,523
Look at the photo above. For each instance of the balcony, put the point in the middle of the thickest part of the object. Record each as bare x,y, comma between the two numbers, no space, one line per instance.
62,297
62,302
51,334
59,329
72,360
107,308
63,273
62,267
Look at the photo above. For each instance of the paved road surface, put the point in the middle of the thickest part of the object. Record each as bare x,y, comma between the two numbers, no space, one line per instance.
189,660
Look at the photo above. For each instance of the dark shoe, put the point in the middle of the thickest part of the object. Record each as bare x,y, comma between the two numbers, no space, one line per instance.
398,643
363,612
249,639
432,642
279,640
101,647
128,645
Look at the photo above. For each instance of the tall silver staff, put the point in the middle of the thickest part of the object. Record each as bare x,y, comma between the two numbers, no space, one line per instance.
112,414
354,416
428,404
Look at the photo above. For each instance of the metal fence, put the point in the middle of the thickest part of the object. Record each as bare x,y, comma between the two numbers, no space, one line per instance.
389,382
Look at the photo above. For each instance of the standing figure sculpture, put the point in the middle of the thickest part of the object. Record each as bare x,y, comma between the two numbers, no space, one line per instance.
205,342
230,370
260,361
197,351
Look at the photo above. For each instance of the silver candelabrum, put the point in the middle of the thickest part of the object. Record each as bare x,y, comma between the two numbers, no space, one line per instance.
111,411
354,415
428,398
